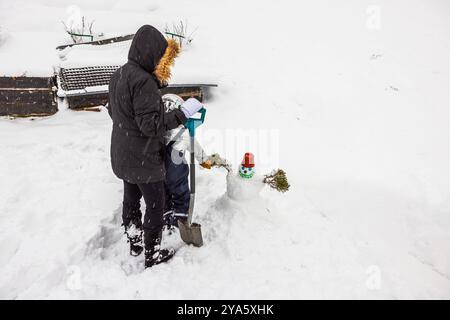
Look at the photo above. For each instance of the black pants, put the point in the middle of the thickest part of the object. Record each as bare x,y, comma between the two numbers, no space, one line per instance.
154,197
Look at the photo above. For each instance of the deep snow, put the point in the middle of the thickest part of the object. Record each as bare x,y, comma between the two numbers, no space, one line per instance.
353,107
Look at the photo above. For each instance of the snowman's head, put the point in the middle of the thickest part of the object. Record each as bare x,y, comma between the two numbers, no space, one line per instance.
246,172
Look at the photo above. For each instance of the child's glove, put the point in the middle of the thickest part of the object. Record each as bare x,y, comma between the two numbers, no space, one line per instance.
217,161
190,107
207,164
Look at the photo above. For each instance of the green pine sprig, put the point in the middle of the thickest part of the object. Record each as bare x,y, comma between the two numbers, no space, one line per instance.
277,180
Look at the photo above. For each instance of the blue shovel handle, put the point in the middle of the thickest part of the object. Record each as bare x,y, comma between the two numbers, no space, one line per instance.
191,125
194,123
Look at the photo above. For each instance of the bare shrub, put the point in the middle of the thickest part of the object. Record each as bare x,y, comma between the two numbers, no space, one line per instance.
180,32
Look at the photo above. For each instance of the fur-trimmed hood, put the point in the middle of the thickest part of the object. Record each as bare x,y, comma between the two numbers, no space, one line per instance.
150,50
163,69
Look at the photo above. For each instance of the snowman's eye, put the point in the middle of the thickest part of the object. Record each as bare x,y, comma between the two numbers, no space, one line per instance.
249,169
243,167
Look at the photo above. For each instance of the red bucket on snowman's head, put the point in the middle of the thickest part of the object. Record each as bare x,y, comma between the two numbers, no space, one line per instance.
249,160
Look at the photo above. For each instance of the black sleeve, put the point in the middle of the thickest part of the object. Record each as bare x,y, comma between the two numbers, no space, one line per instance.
110,92
174,118
108,107
147,107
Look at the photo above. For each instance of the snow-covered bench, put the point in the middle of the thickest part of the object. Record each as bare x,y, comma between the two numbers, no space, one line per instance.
81,78
86,87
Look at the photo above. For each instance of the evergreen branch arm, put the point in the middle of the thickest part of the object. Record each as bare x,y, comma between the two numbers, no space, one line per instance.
277,180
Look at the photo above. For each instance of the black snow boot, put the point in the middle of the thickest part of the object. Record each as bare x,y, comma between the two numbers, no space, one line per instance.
131,216
171,219
134,235
153,253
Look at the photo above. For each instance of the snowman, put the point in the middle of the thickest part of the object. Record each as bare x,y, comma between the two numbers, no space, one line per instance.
246,184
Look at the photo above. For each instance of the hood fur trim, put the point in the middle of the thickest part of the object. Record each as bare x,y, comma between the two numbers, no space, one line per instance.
162,70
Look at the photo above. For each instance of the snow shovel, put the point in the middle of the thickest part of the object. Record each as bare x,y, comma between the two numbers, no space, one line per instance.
191,233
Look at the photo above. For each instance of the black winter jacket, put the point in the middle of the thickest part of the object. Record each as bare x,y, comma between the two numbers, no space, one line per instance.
135,106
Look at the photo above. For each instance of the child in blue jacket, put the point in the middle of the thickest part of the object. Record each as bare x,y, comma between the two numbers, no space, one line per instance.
177,169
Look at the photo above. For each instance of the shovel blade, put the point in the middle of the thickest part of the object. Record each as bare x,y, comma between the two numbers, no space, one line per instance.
191,234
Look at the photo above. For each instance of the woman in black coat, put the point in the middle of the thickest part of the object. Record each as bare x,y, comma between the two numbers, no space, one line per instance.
137,140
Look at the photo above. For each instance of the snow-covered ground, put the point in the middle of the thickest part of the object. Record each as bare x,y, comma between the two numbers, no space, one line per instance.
349,97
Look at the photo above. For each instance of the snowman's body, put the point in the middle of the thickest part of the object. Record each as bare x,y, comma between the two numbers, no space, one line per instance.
239,188
246,184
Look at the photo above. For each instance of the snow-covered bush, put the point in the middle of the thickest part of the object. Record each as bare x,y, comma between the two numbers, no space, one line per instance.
180,32
78,27
81,32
